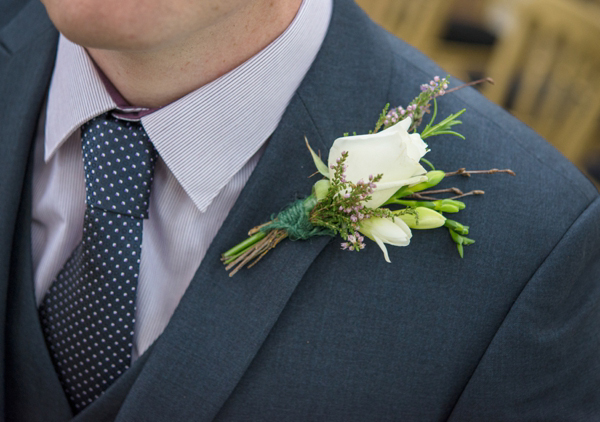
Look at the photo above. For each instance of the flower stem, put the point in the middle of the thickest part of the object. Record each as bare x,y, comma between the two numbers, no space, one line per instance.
242,246
255,252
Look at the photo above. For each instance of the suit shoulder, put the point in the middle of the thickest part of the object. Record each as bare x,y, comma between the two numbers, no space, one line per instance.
528,214
505,135
9,9
22,22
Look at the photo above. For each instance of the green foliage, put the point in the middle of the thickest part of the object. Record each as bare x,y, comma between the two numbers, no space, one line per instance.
319,164
381,120
444,127
458,233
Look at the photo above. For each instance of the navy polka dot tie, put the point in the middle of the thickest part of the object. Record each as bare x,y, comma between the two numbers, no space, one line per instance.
88,313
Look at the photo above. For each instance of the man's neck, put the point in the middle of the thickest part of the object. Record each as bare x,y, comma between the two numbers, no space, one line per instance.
158,76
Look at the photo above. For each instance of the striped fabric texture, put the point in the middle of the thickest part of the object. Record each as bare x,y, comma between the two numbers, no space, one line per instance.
204,161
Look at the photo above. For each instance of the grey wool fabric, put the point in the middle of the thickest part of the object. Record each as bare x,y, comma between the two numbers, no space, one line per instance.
509,333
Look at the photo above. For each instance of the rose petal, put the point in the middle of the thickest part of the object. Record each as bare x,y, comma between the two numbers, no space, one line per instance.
392,152
384,191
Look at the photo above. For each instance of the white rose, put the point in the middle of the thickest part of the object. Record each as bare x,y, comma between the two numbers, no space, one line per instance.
384,230
393,152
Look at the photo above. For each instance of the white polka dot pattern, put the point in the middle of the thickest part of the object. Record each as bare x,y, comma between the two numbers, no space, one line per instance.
88,313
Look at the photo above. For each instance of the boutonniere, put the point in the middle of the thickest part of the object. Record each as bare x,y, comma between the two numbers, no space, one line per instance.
374,186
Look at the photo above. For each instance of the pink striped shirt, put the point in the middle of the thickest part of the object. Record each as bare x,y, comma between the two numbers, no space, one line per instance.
205,161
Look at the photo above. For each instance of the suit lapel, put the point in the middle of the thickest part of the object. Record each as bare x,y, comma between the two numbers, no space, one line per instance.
222,322
27,50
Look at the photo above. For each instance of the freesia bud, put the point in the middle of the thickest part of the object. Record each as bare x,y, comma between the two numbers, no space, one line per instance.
384,230
449,205
423,219
449,208
320,189
461,242
433,178
457,227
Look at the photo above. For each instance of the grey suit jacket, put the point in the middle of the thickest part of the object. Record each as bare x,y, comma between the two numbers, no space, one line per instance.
510,332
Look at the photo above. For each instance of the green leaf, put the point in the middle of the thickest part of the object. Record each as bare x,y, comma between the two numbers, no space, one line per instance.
321,166
447,132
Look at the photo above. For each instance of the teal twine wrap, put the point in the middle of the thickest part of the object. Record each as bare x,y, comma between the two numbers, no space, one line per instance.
294,220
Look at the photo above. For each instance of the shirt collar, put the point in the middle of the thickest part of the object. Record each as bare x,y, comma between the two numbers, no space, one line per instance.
207,136
76,95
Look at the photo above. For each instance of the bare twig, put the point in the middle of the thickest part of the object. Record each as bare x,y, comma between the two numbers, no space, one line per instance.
257,251
243,256
455,191
421,197
282,235
477,82
473,192
256,229
468,173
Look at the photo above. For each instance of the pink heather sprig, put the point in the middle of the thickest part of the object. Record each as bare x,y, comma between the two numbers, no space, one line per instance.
351,201
418,107
437,85
355,242
343,208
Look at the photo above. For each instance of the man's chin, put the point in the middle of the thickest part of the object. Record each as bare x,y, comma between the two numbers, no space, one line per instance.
119,42
103,31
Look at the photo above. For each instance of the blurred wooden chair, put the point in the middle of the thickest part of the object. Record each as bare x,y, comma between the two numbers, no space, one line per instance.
418,22
547,72
422,23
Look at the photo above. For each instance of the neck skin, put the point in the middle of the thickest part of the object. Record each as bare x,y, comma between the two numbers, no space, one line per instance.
154,77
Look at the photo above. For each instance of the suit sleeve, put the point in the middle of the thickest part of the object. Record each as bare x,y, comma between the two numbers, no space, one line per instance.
544,361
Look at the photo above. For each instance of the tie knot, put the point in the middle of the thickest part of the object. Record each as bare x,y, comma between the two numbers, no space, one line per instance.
119,162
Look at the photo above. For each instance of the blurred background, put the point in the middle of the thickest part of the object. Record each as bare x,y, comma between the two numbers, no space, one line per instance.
544,56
